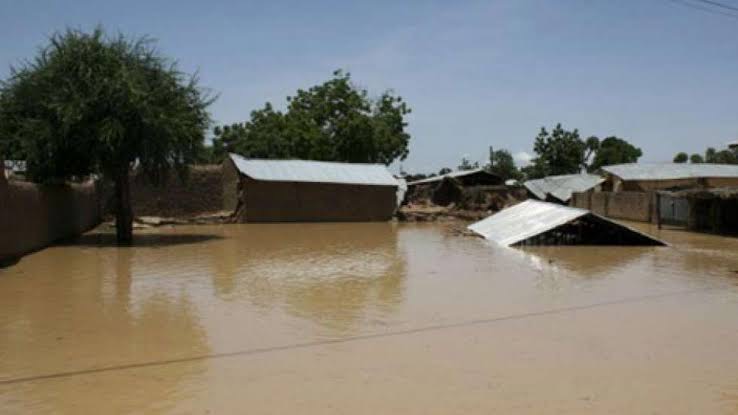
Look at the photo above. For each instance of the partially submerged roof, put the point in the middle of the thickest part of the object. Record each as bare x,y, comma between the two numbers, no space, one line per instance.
453,174
534,222
562,187
314,171
671,171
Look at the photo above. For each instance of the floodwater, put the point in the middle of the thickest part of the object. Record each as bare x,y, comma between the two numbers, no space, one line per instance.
367,319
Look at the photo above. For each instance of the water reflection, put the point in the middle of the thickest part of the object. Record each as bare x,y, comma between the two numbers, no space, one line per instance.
330,273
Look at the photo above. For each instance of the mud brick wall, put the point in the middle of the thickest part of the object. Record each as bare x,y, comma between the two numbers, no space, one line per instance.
33,216
636,206
201,192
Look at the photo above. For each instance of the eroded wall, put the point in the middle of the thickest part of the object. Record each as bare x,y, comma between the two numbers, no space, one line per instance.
201,192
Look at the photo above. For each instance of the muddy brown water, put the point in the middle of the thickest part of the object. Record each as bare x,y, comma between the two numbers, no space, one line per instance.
368,318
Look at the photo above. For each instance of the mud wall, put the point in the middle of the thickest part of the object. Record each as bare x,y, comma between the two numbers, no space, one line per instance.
315,202
636,206
33,216
201,192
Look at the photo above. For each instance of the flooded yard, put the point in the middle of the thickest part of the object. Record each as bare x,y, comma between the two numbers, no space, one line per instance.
368,318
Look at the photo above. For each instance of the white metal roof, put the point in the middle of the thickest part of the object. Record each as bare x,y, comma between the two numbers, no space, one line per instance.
530,218
314,171
671,171
458,173
525,220
562,187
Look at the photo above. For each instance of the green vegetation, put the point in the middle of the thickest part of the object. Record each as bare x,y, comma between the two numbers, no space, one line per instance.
712,156
333,121
564,152
89,103
681,158
501,163
614,150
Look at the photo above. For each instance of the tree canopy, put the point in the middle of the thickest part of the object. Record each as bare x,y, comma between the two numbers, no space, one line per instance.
614,150
727,156
681,158
333,121
502,163
564,152
90,103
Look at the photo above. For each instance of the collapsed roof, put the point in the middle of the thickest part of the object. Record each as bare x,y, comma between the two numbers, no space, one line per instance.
562,187
540,223
482,173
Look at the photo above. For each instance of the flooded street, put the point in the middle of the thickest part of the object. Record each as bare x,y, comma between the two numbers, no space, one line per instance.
368,318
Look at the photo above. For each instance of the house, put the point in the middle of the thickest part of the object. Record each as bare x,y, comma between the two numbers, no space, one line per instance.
644,177
710,210
560,188
541,223
473,177
308,191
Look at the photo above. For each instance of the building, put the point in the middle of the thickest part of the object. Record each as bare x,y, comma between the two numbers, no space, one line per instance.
308,191
644,177
540,223
709,210
473,177
559,189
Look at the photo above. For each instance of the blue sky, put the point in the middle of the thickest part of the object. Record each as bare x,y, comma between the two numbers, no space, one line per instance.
476,74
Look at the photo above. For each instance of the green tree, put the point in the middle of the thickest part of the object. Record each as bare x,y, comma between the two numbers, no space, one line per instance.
444,170
558,152
681,157
89,103
696,159
333,121
501,163
614,150
721,157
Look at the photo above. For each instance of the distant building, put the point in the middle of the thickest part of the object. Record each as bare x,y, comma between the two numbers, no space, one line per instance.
560,188
308,191
473,177
709,210
14,167
644,177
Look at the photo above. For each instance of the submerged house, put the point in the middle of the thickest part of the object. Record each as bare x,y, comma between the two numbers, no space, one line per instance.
559,189
308,191
541,223
645,177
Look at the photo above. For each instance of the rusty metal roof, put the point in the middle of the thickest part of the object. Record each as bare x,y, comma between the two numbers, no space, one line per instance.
530,218
671,171
562,187
314,171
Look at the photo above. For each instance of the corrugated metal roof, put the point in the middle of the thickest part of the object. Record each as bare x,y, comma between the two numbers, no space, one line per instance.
530,218
453,174
561,187
314,171
525,220
671,171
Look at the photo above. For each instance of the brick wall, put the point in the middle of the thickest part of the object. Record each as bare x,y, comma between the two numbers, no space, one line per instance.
636,206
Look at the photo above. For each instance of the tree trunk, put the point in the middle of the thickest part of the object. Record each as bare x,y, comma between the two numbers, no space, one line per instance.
123,210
